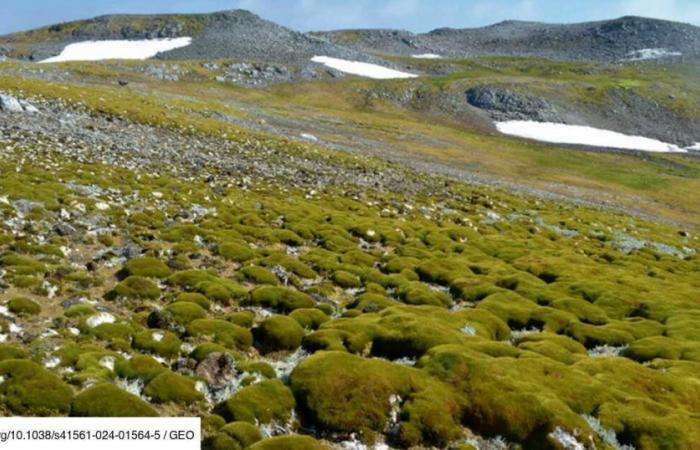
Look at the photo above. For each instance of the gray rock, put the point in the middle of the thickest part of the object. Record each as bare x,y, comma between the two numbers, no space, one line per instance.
10,104
216,369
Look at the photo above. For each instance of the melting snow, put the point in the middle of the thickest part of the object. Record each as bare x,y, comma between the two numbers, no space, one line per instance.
650,53
123,49
560,133
362,69
426,56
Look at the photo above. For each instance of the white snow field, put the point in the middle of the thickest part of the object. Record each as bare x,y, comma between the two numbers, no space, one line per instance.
650,53
99,50
427,56
362,69
560,133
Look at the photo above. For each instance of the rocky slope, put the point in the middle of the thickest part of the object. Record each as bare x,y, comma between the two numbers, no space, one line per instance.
235,34
610,40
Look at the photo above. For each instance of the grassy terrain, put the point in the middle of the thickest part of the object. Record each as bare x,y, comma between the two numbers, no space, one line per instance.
660,185
452,317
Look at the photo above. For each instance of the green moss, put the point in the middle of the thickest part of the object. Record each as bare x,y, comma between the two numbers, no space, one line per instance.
221,331
171,387
309,318
23,306
29,389
258,275
244,434
347,393
236,251
264,402
370,302
280,298
346,279
214,288
259,367
183,312
243,318
9,351
278,333
135,287
139,366
194,297
107,400
146,267
163,343
80,310
289,443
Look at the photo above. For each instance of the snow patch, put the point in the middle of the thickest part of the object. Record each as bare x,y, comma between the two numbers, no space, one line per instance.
427,56
362,69
650,53
560,133
118,49
52,362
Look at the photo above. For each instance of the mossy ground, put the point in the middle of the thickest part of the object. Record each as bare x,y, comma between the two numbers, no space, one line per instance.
424,317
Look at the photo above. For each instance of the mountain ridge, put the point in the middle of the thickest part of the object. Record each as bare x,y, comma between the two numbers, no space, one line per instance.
242,34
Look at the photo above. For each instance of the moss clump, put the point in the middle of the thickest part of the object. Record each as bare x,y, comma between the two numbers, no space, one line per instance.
183,313
309,318
163,343
258,275
264,402
221,331
9,351
171,387
236,251
29,389
194,297
280,298
214,288
244,434
348,393
243,318
80,310
146,267
134,287
107,400
291,442
278,333
346,279
139,366
23,306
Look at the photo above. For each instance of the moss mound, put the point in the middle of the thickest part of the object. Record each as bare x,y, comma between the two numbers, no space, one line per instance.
29,389
107,400
289,443
280,298
146,267
171,387
23,306
278,333
262,402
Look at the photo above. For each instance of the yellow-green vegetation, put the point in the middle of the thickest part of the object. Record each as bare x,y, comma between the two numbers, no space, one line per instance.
422,312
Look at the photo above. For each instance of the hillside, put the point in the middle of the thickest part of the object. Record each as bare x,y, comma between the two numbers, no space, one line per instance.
620,39
310,259
235,34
